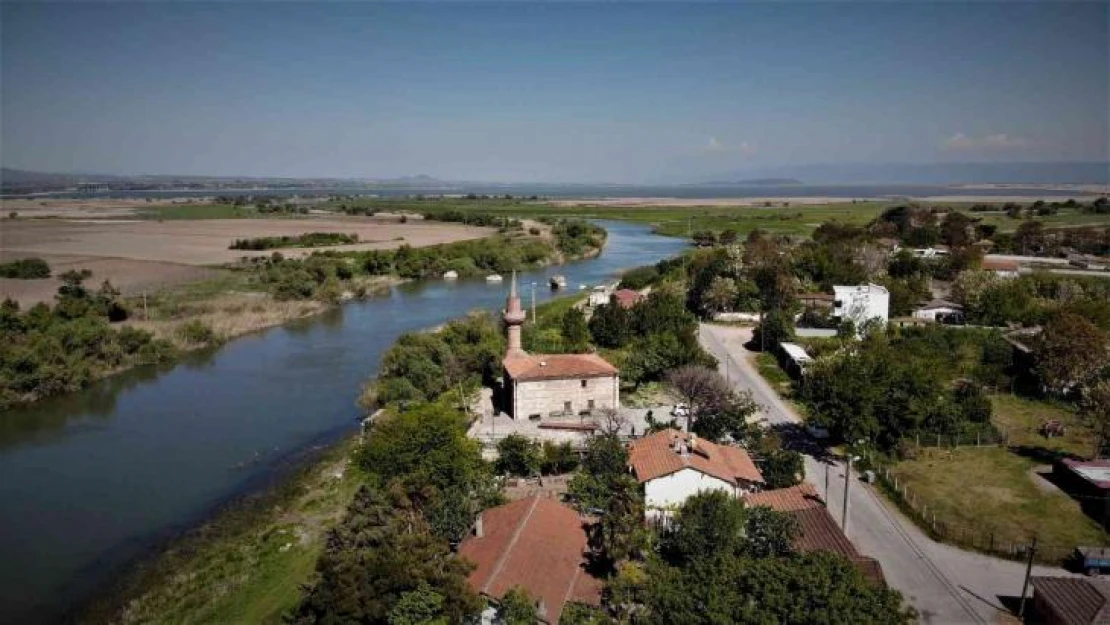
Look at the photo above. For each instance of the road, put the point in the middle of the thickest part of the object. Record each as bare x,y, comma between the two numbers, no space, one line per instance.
945,584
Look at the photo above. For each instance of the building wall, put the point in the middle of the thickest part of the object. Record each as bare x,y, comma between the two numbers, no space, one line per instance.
861,304
665,494
543,397
932,313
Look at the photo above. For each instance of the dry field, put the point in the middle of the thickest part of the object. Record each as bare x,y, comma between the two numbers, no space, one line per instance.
73,208
138,255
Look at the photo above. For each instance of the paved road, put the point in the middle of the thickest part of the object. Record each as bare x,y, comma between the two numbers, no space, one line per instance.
945,584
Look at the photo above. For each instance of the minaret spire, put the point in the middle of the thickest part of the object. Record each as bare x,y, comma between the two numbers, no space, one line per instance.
514,318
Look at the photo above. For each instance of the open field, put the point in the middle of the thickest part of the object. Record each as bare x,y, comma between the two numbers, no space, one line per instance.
141,255
1021,420
985,491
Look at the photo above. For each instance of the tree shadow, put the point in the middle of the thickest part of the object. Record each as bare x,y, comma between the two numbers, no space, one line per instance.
1043,455
795,437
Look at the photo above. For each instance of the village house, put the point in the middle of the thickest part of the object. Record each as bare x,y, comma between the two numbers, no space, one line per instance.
535,543
861,303
1088,481
1071,600
627,298
941,311
546,385
673,466
1001,268
817,529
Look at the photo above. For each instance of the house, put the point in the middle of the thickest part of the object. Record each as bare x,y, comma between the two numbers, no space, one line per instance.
1001,268
1088,481
1071,600
794,359
816,300
941,311
817,529
599,296
535,543
627,298
539,385
861,303
674,466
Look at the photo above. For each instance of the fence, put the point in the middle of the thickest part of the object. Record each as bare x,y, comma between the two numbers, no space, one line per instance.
981,438
973,538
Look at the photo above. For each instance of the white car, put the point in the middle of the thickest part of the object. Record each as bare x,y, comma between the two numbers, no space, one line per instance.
680,410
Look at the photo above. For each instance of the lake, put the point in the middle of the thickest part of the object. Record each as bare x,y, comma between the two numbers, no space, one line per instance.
92,480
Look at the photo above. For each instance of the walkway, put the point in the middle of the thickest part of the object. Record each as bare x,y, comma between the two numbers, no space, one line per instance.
945,584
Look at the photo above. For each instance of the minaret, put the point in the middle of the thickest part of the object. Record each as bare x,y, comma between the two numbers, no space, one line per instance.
514,318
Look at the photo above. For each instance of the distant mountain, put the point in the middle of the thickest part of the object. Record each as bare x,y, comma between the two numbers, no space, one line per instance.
940,174
751,182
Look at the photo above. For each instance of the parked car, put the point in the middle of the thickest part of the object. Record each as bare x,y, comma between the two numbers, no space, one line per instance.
818,431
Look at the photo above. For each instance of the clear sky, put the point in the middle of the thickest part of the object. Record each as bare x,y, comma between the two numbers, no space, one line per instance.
552,92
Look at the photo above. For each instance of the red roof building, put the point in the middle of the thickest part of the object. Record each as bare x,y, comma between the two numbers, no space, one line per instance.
817,529
527,367
627,298
535,543
1072,600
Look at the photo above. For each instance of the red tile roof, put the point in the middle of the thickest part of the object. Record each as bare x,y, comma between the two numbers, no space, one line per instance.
997,264
524,367
538,544
627,298
1073,600
800,497
817,529
654,456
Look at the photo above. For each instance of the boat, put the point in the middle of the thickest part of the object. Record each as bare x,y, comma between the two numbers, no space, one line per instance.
558,282
494,278
451,275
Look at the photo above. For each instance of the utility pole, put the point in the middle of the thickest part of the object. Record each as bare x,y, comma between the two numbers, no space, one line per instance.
1028,572
847,484
533,303
827,471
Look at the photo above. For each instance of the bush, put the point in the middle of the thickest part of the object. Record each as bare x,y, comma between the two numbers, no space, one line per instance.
196,332
25,269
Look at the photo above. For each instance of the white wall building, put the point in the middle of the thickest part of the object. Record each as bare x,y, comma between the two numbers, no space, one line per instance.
861,303
940,310
674,466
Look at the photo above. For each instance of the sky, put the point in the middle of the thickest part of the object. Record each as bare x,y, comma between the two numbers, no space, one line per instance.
558,92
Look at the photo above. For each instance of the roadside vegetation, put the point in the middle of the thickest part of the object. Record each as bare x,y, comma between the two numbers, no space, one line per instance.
25,269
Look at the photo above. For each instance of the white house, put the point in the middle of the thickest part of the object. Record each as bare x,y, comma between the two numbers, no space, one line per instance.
861,303
940,310
1001,267
674,466
599,296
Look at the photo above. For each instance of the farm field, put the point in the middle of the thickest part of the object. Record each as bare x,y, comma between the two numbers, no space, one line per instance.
140,255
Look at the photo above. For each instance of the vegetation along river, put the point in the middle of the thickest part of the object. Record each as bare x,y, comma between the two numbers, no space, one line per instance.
91,480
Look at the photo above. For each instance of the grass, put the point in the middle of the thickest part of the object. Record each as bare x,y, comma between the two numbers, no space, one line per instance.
1021,420
768,367
248,564
984,491
200,211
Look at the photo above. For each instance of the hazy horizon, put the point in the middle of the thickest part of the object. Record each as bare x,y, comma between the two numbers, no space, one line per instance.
553,93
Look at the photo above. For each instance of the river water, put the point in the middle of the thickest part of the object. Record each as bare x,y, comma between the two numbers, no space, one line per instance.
88,481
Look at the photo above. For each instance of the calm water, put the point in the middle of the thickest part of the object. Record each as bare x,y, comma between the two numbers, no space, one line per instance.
87,481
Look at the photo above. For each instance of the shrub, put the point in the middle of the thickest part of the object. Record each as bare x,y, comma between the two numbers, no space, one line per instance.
196,332
25,269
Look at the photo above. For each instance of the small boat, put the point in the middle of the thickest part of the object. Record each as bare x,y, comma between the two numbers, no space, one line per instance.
494,278
451,275
558,282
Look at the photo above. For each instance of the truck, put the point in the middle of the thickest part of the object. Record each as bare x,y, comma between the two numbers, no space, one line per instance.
1092,560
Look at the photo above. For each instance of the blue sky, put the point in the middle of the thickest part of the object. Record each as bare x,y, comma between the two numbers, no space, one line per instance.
552,92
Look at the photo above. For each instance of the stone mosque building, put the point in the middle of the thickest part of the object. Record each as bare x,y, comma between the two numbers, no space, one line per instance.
549,386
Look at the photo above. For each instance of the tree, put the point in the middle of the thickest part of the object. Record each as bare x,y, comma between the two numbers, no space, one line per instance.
422,606
1029,236
702,389
516,608
1095,409
518,455
721,295
619,534
955,230
603,465
609,325
708,524
1068,352
782,468
558,458
576,336
776,327
374,561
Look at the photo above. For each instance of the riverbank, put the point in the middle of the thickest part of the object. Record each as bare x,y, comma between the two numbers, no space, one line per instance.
249,561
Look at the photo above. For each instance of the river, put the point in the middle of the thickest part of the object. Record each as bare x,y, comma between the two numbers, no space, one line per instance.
91,480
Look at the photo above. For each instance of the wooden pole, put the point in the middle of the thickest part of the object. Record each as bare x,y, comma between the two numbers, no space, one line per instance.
847,484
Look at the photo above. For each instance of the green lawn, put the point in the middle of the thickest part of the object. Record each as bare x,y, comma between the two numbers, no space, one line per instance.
1021,420
247,565
769,368
977,492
